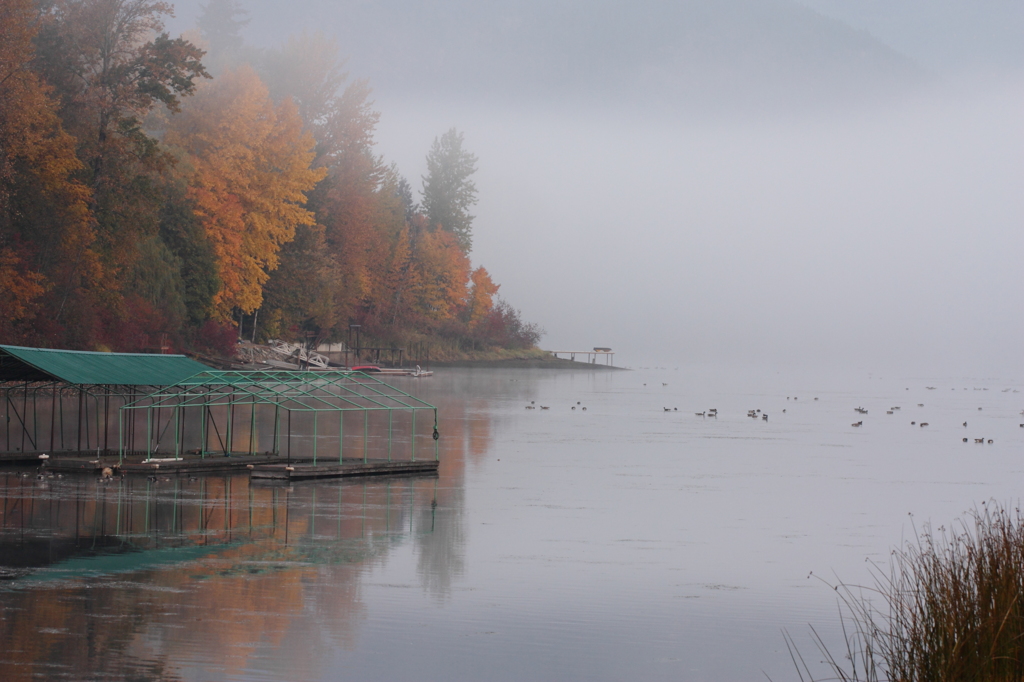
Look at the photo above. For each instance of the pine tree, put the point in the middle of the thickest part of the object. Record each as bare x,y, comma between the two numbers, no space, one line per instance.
448,191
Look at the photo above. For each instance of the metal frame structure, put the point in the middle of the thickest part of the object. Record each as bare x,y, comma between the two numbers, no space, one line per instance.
212,394
88,416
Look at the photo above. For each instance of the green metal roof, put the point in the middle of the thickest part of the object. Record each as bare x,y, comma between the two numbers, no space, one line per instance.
103,369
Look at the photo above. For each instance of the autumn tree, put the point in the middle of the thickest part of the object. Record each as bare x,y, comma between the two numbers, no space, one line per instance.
480,299
111,64
448,189
252,172
46,234
357,212
442,272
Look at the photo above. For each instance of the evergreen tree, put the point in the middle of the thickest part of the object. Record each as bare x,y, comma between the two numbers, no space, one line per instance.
221,25
448,191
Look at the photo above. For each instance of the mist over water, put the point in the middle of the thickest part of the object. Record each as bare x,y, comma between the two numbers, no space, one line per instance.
882,238
759,183
775,224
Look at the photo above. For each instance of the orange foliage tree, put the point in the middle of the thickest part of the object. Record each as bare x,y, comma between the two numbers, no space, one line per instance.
252,171
46,232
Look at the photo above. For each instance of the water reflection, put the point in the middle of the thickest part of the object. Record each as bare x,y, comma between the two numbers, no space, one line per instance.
145,569
217,577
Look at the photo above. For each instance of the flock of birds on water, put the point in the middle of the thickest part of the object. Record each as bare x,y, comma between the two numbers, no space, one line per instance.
756,413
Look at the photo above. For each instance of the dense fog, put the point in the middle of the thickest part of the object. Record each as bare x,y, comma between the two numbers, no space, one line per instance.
762,182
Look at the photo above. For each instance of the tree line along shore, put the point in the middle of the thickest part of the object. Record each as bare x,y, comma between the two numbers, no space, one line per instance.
162,193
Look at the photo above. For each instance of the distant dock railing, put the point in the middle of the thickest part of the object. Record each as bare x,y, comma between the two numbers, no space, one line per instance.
592,355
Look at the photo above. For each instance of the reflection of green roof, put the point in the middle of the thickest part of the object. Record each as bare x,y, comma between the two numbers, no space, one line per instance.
83,367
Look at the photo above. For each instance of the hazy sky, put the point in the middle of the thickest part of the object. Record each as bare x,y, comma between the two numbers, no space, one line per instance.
878,234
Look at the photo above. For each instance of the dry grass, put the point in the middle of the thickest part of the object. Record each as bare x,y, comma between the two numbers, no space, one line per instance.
950,608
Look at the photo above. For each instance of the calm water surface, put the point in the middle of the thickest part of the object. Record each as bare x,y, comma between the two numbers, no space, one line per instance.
617,542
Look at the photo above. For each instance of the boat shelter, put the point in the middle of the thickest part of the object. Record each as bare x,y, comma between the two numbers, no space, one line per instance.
300,413
64,400
147,406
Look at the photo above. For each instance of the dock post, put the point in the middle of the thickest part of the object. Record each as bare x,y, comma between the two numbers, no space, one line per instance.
412,438
390,419
366,432
341,437
314,437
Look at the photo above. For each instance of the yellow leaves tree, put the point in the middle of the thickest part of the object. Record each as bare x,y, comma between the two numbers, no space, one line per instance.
251,175
481,297
442,273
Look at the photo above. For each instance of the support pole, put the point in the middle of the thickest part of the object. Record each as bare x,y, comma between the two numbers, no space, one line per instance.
120,437
231,418
202,429
277,429
53,418
252,423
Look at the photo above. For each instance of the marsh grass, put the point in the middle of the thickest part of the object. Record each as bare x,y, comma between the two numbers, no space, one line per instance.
950,608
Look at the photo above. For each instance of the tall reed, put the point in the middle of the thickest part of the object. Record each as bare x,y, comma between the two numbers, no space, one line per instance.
950,608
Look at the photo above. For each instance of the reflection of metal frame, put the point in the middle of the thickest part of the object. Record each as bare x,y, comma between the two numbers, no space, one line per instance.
321,392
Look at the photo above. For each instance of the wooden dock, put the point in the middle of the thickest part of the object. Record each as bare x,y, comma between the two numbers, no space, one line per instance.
266,467
304,471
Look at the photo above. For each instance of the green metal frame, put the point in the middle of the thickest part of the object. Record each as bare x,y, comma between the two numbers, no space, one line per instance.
89,421
286,391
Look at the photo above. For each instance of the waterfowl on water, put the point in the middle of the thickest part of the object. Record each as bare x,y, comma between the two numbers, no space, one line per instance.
857,423
990,441
699,414
965,440
979,440
924,423
545,407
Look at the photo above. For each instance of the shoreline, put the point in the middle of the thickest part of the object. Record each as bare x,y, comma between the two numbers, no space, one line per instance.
526,363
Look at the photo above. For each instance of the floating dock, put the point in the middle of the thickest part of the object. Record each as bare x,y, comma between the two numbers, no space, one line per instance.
298,472
126,413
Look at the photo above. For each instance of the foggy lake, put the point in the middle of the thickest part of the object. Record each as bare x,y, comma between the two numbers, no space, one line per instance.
774,211
622,541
